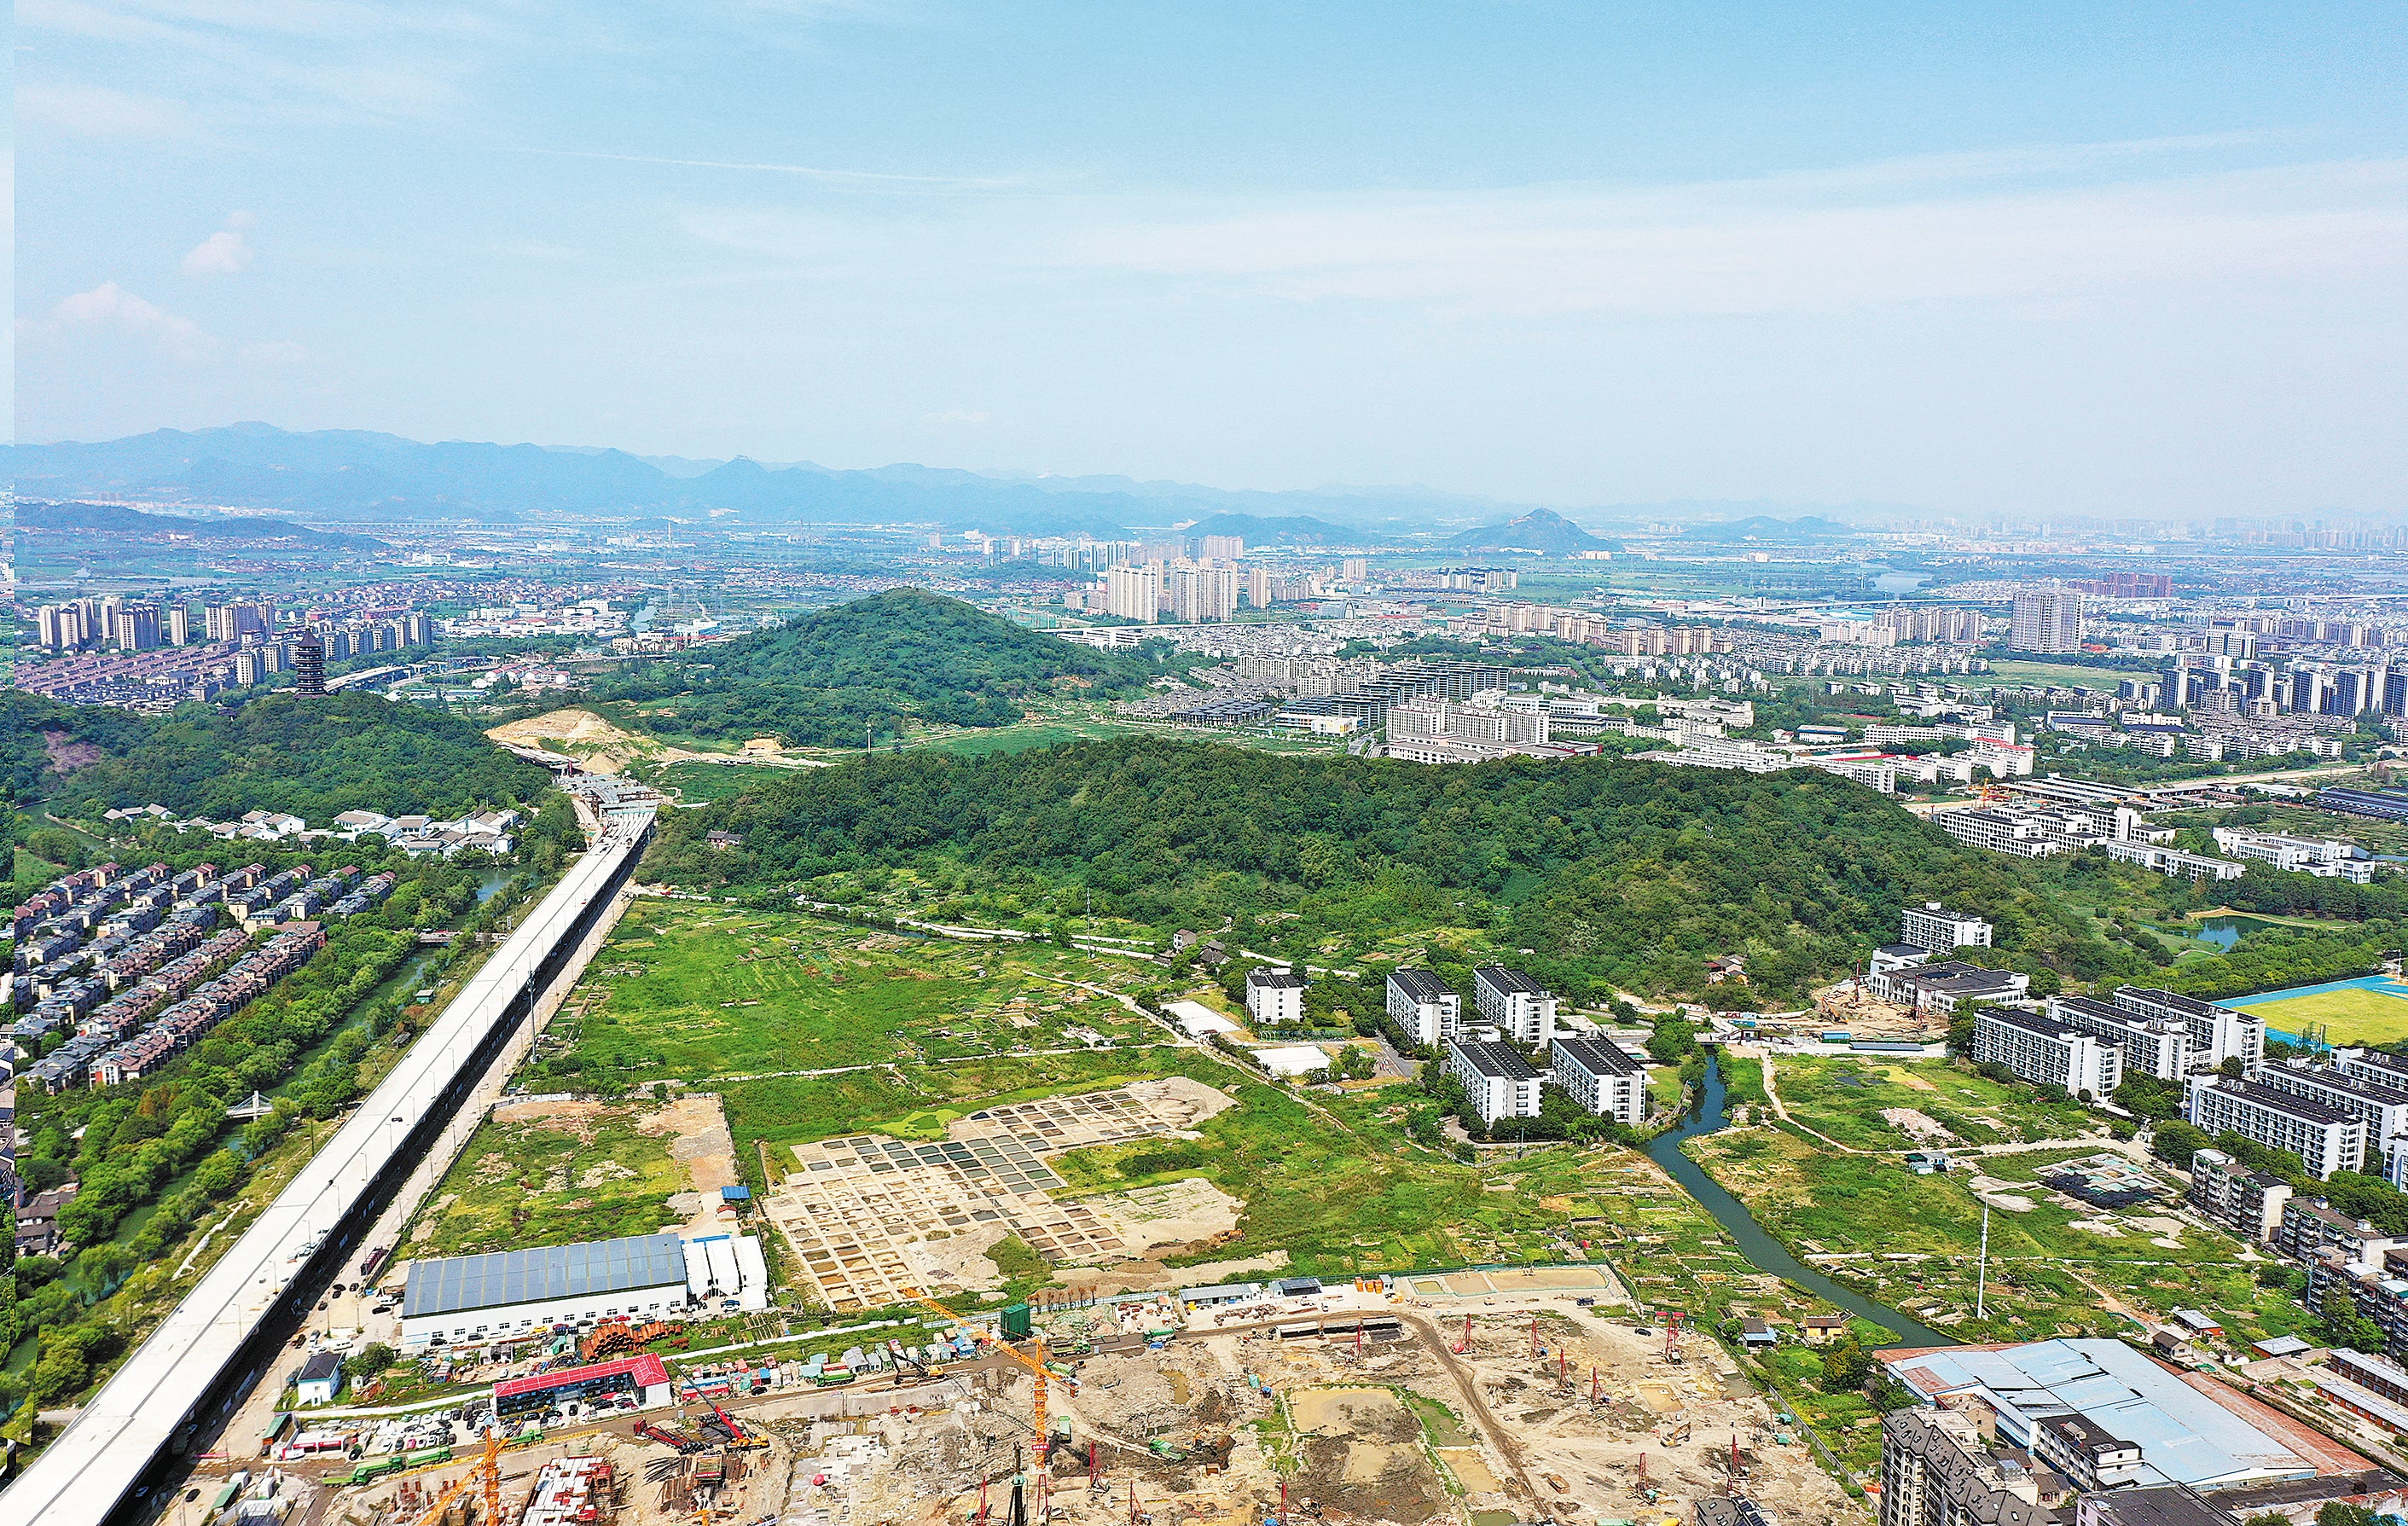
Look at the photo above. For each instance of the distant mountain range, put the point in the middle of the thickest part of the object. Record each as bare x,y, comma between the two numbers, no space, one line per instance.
115,520
1290,530
1541,530
1763,527
336,475
340,474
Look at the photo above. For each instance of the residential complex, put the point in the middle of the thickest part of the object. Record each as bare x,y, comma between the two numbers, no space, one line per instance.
1426,1007
1933,926
2324,1138
1515,1004
1275,996
2248,1202
2047,620
1599,1075
2048,1053
2381,1109
1944,987
1496,1080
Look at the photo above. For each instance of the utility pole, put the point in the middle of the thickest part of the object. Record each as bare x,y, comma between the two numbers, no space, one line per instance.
1982,1272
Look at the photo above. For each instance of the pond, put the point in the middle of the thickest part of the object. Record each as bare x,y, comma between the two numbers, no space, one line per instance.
1762,1250
1899,582
2225,931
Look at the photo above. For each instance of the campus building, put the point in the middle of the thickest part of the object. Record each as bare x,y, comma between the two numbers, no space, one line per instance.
2382,1108
1425,1006
1497,1079
1601,1077
2217,1033
1933,926
2248,1202
2158,1046
1275,996
1515,1004
2003,1436
1944,987
2324,1138
517,1294
2047,1052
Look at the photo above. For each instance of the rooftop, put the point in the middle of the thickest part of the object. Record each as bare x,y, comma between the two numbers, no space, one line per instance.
2179,1002
1513,981
1599,1057
454,1284
1274,980
1501,1062
2187,1435
1421,985
2279,1101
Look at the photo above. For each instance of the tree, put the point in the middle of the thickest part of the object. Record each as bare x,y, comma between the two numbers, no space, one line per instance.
1672,1038
2176,1142
2344,1513
2232,1068
371,1359
1846,1365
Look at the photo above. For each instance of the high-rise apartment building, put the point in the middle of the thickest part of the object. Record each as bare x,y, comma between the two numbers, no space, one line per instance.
179,623
1224,548
1133,592
1355,568
1258,588
1203,592
136,627
2047,620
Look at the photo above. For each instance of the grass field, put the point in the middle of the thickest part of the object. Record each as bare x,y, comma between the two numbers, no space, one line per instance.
2016,671
1912,1242
706,995
550,1182
1842,1099
2355,1017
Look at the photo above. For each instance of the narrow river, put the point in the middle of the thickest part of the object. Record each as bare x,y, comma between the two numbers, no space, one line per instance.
1762,1249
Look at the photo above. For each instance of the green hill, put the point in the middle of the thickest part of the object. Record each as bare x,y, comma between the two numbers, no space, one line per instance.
1615,873
829,677
312,757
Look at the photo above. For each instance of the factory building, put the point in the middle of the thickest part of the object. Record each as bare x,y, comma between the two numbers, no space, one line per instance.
514,1294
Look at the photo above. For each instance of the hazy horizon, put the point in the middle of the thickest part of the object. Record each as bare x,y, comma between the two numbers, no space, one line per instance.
2056,263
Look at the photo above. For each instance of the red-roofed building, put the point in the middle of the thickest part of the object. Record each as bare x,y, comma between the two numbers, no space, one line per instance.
637,1382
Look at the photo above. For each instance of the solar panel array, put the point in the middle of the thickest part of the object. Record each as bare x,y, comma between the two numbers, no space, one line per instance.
458,1283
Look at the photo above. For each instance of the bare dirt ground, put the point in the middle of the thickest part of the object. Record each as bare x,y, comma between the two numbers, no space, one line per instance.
603,747
1154,1220
702,1144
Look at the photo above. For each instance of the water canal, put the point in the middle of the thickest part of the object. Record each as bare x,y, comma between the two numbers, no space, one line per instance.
1762,1249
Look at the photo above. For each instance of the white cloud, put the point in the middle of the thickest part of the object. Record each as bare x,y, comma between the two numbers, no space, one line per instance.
222,254
101,111
110,306
1822,243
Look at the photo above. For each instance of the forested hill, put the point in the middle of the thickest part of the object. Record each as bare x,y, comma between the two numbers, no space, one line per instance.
1613,871
313,757
822,677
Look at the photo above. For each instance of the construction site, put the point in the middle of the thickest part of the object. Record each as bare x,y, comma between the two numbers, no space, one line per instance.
1358,1404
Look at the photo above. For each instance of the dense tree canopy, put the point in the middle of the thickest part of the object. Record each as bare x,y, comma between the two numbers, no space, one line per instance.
311,757
829,677
1615,871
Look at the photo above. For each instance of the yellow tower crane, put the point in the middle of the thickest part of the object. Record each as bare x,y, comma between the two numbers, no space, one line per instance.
488,1471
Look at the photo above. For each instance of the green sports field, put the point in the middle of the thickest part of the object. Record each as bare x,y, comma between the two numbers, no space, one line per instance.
2356,1016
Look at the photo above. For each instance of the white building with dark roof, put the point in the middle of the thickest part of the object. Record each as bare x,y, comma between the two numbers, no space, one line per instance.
1602,1077
2324,1138
1275,996
1934,927
2217,1033
1426,1007
1514,1002
2046,1052
2158,1046
2380,1106
1499,1081
1944,987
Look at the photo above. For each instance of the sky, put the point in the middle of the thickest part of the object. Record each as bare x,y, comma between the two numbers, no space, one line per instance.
2039,260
